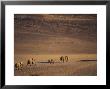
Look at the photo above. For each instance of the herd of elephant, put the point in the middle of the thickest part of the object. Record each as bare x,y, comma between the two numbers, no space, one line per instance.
19,65
62,59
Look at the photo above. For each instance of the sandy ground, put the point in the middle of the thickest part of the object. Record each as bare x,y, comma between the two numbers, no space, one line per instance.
74,67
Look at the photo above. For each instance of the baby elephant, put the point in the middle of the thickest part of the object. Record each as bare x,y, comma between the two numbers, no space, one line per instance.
51,61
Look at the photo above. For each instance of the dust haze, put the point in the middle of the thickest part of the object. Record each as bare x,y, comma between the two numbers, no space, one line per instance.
44,38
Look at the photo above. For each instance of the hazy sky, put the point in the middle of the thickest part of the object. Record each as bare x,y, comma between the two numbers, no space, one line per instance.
55,34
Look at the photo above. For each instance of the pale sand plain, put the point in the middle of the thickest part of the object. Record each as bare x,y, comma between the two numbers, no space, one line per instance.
74,67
